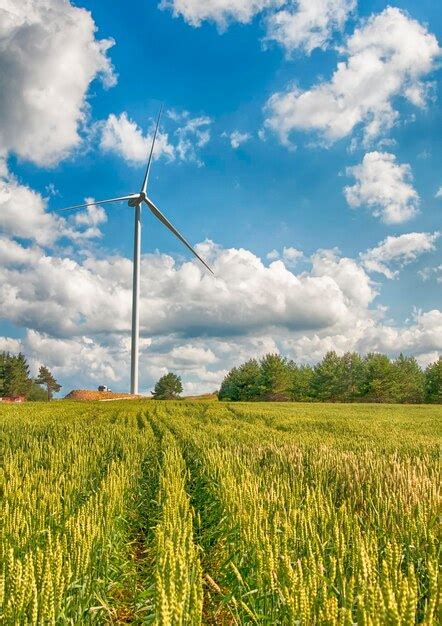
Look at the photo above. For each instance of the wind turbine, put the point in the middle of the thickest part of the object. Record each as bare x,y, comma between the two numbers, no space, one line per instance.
135,200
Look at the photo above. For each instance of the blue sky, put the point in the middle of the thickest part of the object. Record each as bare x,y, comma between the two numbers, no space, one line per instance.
309,254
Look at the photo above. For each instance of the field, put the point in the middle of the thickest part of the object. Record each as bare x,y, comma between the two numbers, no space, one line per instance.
183,513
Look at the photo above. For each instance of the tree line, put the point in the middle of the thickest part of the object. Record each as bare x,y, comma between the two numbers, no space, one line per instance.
16,379
348,378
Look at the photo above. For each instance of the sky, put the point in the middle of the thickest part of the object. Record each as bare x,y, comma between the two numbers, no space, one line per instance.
299,150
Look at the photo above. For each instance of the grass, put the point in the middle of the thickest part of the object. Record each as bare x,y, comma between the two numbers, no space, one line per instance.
200,512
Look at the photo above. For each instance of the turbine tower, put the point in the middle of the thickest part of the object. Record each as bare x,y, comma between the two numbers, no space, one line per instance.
135,200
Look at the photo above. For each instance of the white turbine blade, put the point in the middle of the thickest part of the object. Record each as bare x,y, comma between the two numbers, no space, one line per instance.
81,206
163,219
149,163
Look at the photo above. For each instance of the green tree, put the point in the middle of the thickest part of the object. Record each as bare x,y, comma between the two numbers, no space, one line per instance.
338,378
37,393
242,383
408,380
352,377
433,382
168,387
378,383
275,377
17,381
46,379
4,356
328,379
301,377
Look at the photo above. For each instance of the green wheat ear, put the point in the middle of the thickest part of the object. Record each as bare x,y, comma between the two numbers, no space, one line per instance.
198,512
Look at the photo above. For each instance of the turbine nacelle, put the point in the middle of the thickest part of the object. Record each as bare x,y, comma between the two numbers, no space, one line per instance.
136,200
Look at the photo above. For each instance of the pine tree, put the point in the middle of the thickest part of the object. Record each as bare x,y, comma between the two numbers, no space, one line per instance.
378,383
433,382
46,379
17,381
168,387
408,380
328,382
301,377
275,377
4,356
352,377
37,393
242,383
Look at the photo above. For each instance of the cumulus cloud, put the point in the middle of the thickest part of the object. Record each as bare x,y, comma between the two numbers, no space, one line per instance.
237,138
294,24
439,193
353,282
390,55
398,250
421,336
221,12
66,298
49,55
384,186
291,255
76,314
188,355
23,215
22,212
93,215
122,136
308,24
273,255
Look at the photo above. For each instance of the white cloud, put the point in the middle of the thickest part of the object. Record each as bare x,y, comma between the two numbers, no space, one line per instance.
273,255
421,336
93,215
399,250
427,358
49,55
189,355
237,138
66,298
308,24
353,282
76,315
427,273
291,255
439,193
384,186
222,12
122,136
303,24
193,133
23,215
390,55
22,212
8,344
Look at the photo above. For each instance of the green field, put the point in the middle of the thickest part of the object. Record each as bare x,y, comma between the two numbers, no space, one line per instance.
183,513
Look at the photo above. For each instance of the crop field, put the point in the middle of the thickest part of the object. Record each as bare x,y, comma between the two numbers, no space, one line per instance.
182,513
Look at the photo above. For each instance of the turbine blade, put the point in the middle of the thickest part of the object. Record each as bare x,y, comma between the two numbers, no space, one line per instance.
149,163
81,206
163,219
